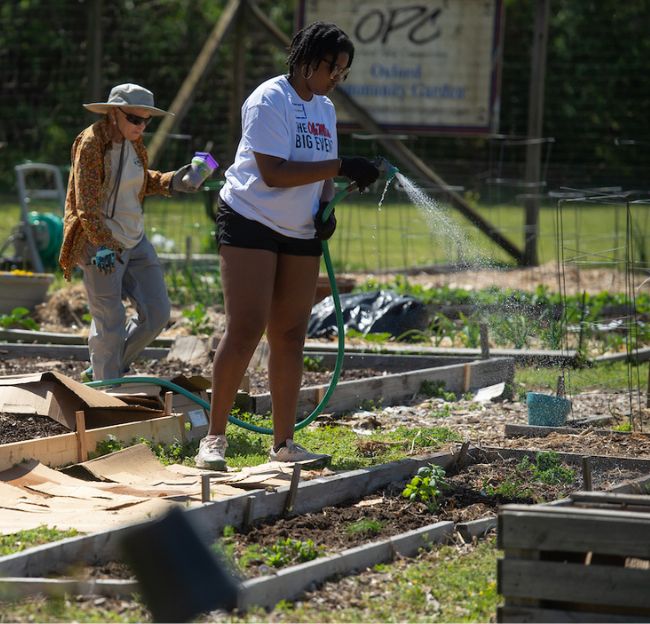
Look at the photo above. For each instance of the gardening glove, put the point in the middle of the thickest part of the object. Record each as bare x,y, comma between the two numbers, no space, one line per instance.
104,260
359,170
178,186
324,230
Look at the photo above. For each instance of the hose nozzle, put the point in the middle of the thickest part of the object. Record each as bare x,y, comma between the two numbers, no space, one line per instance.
386,169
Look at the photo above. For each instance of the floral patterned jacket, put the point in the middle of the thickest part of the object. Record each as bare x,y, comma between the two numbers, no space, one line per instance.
90,176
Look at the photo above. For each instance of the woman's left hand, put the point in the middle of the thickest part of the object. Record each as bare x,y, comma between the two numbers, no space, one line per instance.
324,230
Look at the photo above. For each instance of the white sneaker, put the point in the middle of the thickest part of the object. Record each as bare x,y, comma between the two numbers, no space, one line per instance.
212,452
293,452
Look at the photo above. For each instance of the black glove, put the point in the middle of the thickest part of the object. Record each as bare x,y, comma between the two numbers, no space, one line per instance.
359,170
325,230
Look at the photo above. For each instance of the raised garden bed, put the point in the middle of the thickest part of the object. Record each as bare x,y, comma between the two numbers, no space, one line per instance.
586,561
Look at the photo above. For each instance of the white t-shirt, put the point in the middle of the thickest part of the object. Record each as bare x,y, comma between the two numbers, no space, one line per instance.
127,223
276,121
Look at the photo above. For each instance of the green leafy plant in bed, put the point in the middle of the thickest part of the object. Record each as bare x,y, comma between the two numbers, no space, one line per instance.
426,486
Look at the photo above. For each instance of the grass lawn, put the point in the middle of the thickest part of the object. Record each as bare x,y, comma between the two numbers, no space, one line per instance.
402,235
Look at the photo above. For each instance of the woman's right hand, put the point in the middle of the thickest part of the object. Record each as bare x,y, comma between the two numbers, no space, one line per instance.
360,170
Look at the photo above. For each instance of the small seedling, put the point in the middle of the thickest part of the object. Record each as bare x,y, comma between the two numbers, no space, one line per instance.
623,427
426,486
513,489
289,551
365,527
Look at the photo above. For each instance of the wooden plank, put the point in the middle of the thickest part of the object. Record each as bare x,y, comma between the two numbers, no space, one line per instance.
598,462
532,614
543,357
63,449
60,338
570,529
535,431
641,485
17,588
77,352
612,498
476,528
610,586
391,389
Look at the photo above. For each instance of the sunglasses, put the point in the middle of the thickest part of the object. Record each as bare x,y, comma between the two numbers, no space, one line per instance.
136,120
337,72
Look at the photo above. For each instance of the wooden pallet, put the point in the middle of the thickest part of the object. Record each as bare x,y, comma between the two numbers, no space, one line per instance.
586,561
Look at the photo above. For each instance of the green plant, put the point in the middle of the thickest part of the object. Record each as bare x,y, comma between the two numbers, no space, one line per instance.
426,486
370,405
366,527
199,320
623,427
16,542
547,468
509,488
376,338
18,318
174,453
109,445
436,389
289,551
413,336
314,364
470,332
441,327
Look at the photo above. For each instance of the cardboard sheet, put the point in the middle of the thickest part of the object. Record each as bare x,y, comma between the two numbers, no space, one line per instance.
136,465
134,487
57,396
14,520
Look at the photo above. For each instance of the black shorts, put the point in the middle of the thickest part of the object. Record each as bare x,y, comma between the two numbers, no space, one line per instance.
238,231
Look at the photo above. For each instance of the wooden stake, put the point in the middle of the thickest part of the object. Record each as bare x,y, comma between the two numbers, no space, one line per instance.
249,510
167,408
293,488
205,488
467,377
82,445
485,342
245,385
586,474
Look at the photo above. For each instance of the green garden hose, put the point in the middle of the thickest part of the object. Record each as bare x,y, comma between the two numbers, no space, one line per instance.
339,356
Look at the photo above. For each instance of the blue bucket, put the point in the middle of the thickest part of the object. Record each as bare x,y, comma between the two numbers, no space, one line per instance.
547,410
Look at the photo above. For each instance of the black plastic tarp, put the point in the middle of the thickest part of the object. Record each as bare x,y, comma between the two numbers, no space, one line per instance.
380,311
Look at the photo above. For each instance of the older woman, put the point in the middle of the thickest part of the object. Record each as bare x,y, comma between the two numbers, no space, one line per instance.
104,229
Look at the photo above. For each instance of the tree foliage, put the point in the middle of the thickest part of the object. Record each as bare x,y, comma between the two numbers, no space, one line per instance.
596,97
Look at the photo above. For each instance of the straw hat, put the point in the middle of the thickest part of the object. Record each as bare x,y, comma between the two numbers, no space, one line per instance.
128,95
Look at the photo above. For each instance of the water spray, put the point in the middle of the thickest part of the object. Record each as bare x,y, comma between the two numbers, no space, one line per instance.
387,171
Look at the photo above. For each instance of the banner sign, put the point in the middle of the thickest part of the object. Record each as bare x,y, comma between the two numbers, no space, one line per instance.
429,66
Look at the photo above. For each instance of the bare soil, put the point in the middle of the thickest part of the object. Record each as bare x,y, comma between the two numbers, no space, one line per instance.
468,494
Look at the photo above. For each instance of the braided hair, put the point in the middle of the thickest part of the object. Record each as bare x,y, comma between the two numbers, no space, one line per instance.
311,44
